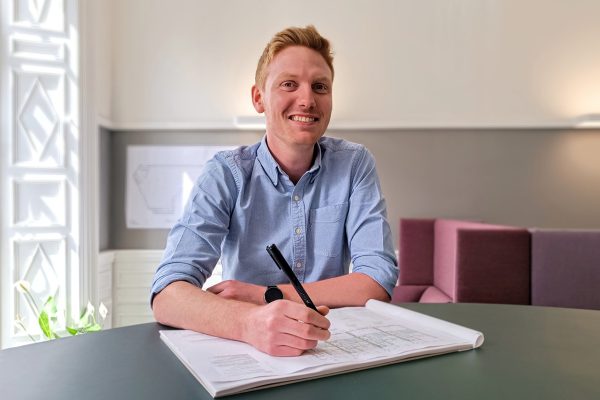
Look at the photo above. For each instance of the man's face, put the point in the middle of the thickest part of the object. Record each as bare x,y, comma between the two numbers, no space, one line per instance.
296,97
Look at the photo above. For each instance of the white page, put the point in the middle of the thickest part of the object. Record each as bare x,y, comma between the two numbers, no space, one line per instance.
159,181
470,335
359,335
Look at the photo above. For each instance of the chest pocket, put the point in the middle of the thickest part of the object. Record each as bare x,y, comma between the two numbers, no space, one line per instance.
326,228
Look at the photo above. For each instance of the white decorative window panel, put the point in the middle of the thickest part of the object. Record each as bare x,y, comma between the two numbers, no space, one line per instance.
41,203
41,263
40,186
45,14
32,49
39,135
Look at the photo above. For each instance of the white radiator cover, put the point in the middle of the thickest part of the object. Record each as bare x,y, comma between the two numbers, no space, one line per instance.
125,279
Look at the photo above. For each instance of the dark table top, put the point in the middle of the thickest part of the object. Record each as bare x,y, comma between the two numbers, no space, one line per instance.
529,353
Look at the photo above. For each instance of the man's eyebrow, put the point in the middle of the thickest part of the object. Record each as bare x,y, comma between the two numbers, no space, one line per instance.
323,78
285,75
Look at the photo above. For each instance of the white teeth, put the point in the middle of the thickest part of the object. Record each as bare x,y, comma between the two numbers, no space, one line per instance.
302,119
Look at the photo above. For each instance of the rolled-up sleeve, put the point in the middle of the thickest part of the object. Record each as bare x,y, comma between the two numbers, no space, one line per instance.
194,243
367,228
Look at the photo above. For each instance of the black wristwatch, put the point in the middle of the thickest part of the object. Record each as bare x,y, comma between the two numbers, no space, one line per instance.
273,293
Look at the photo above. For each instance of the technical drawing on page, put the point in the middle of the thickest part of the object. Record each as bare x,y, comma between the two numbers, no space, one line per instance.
159,182
360,331
178,178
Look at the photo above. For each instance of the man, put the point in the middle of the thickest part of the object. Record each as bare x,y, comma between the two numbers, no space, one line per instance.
318,199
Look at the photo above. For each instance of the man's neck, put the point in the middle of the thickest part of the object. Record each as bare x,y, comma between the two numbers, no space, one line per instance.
294,161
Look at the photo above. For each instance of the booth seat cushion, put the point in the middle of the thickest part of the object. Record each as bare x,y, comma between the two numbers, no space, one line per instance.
434,295
565,270
408,293
463,261
479,262
416,251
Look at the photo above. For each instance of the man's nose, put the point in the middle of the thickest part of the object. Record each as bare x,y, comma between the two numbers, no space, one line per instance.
306,97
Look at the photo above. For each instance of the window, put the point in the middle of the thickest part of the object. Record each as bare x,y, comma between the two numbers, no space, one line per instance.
40,163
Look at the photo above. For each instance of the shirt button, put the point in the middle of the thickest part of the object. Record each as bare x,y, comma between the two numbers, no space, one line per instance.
298,231
296,198
298,265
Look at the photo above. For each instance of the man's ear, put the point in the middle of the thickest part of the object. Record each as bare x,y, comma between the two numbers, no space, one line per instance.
257,100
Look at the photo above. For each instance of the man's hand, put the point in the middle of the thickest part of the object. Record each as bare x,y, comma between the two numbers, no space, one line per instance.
281,328
285,328
274,328
241,291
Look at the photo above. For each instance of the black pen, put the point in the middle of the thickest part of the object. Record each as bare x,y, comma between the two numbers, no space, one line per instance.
285,267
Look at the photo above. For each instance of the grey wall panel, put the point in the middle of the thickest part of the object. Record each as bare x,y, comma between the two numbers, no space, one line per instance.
541,178
105,188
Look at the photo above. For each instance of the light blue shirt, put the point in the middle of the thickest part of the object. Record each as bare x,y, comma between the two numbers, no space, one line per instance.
243,201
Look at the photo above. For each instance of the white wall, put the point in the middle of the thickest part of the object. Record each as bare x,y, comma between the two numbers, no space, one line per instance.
400,63
102,39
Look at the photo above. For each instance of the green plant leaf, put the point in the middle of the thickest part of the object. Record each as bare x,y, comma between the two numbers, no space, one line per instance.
45,325
51,308
85,317
84,314
72,331
92,328
50,305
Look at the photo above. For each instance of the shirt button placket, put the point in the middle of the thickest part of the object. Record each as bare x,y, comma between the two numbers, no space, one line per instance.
299,234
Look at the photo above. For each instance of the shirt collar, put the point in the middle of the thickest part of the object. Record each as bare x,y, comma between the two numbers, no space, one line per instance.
267,161
272,169
317,163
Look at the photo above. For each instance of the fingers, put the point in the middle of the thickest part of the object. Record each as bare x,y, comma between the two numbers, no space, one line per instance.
286,328
297,342
302,330
323,310
236,290
285,351
284,344
302,313
218,288
301,321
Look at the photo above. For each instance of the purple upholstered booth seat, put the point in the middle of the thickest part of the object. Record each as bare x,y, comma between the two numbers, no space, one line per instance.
459,261
565,268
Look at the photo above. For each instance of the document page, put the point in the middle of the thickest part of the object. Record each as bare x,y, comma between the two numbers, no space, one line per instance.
359,336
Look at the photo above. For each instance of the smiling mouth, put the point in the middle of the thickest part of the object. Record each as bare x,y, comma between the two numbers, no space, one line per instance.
299,118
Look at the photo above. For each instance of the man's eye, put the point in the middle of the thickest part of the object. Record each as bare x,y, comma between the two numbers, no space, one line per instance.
320,88
288,85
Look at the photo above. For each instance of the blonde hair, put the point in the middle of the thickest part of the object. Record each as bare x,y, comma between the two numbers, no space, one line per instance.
293,36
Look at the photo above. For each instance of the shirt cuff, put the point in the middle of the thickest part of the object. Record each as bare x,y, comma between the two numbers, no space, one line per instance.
380,270
173,273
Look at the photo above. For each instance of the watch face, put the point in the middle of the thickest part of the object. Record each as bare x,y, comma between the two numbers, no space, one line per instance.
273,293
